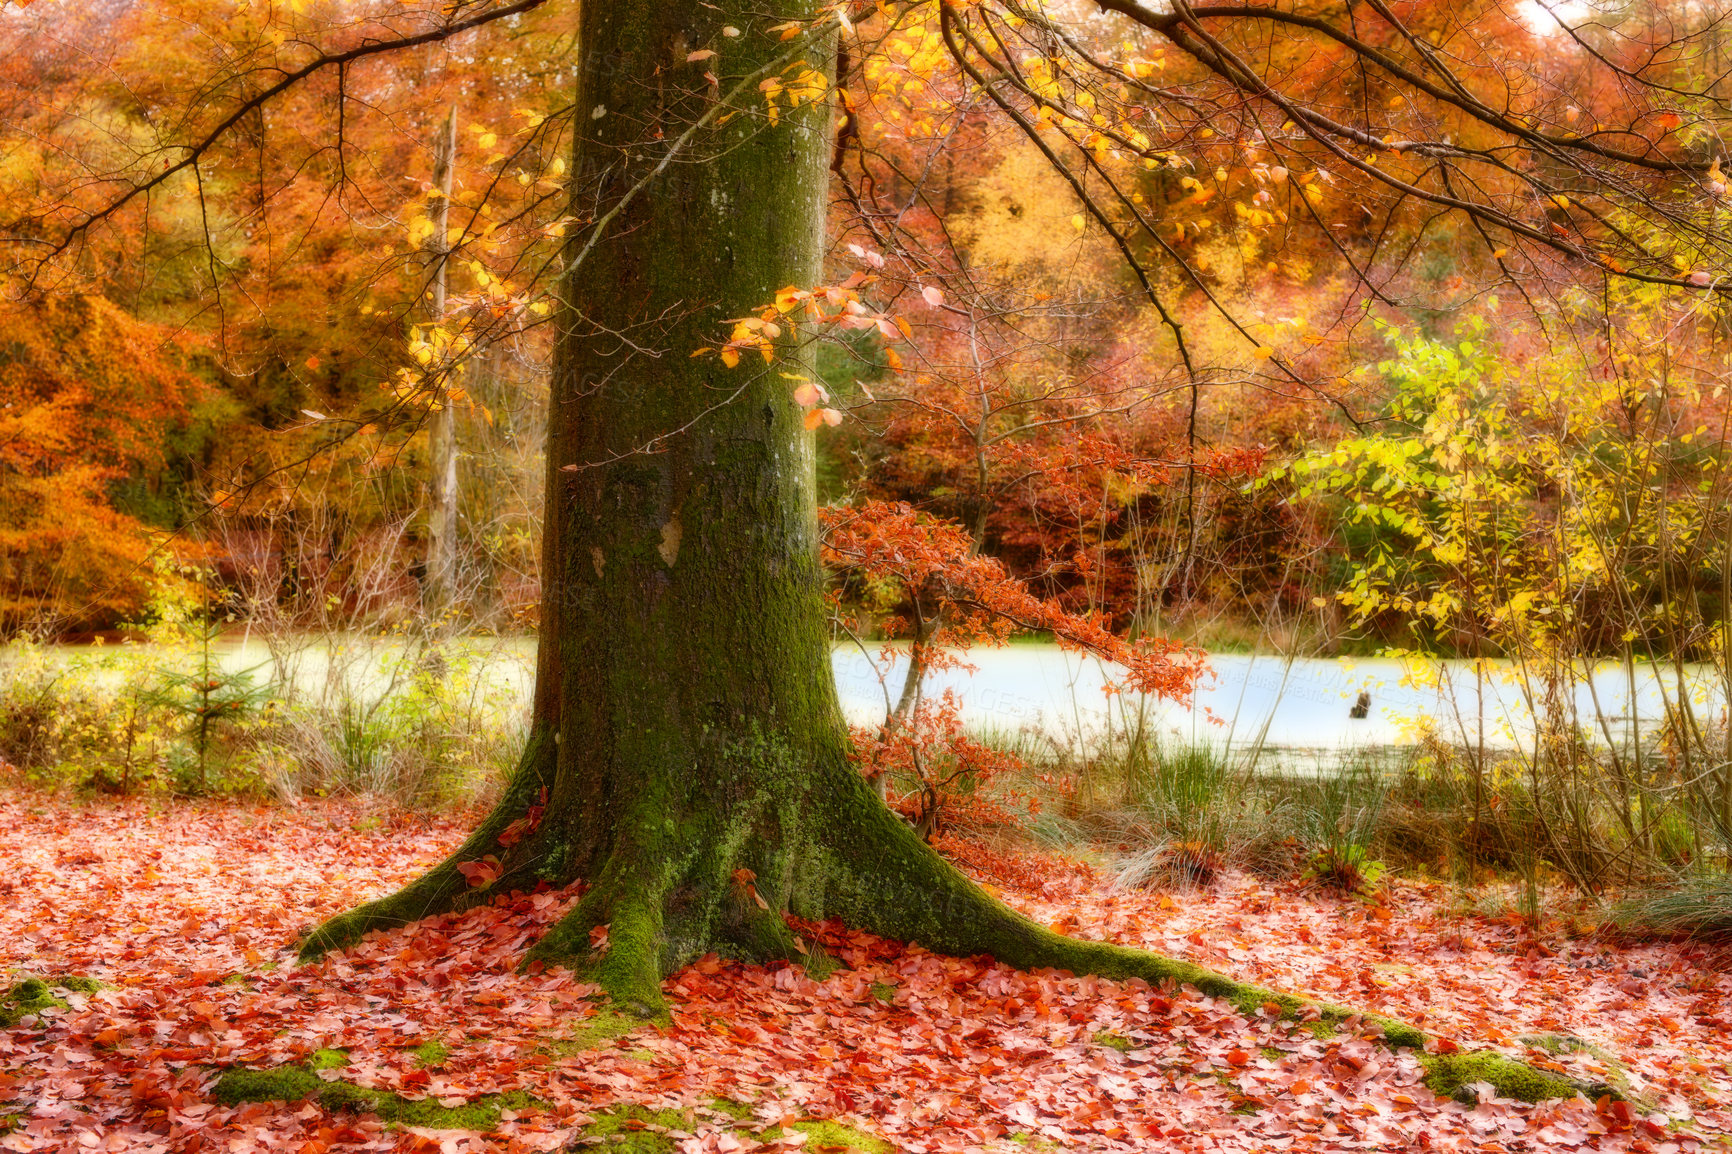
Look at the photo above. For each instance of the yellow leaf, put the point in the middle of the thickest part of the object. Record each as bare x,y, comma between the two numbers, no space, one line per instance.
1263,352
1077,222
731,358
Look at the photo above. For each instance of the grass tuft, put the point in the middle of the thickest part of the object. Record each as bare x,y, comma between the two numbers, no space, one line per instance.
1699,910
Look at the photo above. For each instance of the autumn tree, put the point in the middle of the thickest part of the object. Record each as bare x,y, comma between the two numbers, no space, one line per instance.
89,398
688,760
688,757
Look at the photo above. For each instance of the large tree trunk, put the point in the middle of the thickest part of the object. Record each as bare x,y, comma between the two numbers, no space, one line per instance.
688,756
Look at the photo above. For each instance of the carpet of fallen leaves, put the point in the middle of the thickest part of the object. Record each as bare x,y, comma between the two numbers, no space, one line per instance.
186,913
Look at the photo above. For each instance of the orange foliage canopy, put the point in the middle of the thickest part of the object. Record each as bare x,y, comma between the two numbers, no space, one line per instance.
88,396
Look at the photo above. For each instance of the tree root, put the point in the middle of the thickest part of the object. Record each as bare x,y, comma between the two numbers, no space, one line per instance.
906,891
444,888
657,904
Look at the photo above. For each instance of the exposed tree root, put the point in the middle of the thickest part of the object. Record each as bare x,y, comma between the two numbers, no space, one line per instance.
444,888
660,900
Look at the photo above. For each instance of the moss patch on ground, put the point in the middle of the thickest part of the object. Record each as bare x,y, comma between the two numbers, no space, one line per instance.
593,1033
883,991
639,1130
1561,1044
1445,1073
432,1052
1451,1074
34,995
1114,1041
294,1083
835,1136
328,1060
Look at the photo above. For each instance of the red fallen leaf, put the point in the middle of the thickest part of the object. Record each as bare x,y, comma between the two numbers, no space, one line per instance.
1444,1046
1238,1058
481,873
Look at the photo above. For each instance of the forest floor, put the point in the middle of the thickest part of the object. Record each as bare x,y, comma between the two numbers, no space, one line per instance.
186,914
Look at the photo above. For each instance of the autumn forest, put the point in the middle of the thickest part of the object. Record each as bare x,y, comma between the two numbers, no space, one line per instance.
878,575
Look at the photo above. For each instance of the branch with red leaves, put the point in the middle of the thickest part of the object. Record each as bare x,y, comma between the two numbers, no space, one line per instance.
932,564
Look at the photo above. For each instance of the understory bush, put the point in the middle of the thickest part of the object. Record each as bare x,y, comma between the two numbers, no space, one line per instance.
422,724
1558,811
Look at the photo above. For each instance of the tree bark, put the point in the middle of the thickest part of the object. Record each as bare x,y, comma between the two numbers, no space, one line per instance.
688,758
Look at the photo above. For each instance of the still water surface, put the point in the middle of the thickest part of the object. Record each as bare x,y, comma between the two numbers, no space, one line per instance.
1043,692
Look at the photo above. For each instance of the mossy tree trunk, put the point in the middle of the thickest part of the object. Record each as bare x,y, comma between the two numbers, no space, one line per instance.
688,757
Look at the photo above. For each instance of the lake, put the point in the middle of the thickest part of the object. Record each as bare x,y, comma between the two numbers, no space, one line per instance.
1041,691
